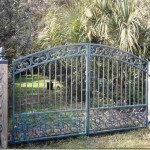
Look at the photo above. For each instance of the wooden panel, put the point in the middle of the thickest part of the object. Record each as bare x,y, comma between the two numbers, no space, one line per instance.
4,103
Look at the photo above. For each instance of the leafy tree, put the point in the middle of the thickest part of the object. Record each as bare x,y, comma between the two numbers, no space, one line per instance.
123,24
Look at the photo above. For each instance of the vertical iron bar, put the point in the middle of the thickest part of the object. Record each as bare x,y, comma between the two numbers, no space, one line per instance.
121,84
32,89
26,91
50,82
61,85
87,88
138,85
44,88
130,71
20,97
66,81
117,77
55,82
142,87
103,80
81,82
147,94
125,83
38,91
107,82
94,100
76,82
98,80
71,83
134,87
112,82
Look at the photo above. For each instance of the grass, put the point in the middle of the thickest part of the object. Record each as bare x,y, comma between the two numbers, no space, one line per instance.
34,84
127,139
35,91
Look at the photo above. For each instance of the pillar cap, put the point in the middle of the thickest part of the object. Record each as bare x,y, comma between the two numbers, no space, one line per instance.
2,53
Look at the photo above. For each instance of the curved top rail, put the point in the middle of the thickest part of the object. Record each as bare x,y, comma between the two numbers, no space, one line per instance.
120,55
54,53
51,49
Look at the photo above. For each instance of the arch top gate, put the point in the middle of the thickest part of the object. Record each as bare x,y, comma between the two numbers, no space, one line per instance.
78,89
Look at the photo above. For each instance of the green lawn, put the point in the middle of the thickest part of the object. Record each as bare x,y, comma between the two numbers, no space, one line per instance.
128,139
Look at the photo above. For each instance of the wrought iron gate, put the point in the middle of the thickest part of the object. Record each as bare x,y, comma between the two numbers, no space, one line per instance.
78,89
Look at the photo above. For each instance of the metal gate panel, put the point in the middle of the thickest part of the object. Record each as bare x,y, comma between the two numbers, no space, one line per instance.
50,94
118,88
76,90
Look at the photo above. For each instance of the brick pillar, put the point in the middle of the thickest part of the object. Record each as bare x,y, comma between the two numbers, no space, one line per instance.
3,99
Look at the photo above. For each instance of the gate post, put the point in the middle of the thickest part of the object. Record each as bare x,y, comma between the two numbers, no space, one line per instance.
87,89
3,99
148,91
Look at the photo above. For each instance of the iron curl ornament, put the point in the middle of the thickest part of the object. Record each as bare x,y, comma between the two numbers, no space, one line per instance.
105,119
56,53
28,127
48,55
120,55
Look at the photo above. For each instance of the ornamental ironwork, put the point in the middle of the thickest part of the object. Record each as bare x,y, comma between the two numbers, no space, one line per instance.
78,89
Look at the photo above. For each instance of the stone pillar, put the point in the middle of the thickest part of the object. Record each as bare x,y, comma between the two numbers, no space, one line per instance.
3,99
148,91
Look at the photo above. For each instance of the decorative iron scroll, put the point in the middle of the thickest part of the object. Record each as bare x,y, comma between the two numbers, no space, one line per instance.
77,49
31,126
120,55
106,119
48,55
109,84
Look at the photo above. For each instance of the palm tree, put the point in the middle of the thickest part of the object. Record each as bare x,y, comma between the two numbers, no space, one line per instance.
121,23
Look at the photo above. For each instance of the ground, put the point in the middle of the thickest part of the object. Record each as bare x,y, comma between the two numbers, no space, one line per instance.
128,139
